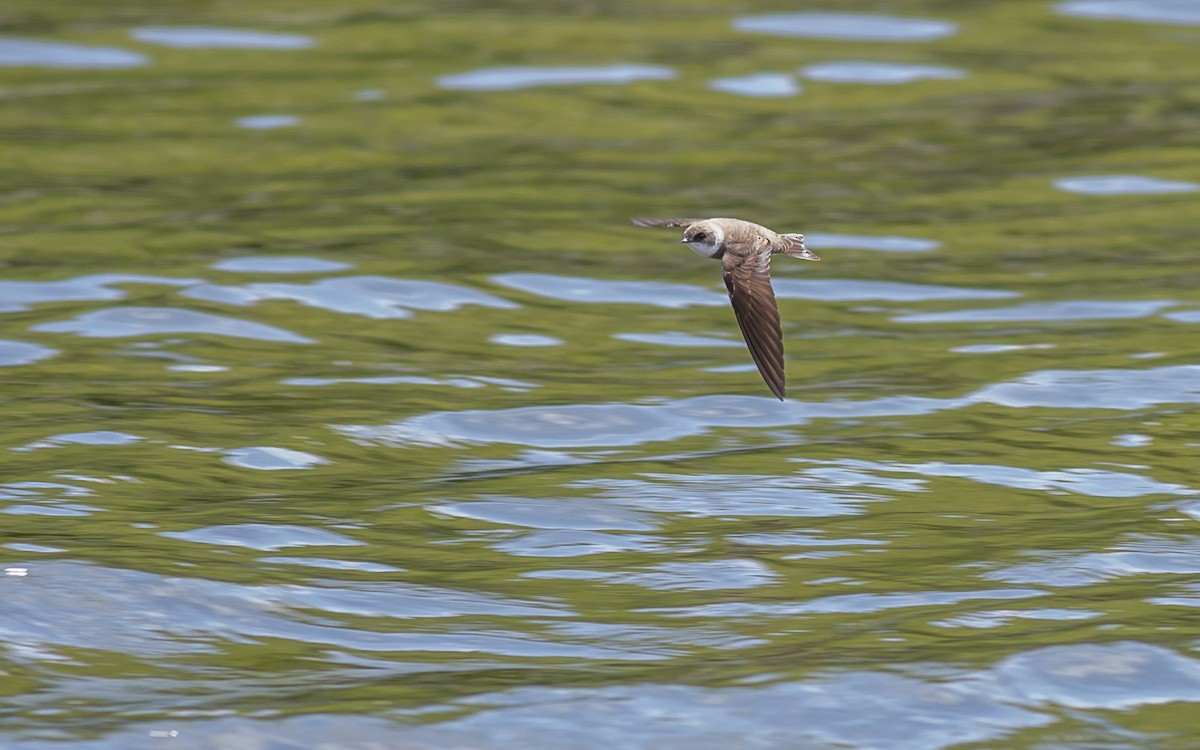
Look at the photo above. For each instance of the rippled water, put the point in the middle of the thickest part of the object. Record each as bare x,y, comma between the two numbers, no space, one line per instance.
346,409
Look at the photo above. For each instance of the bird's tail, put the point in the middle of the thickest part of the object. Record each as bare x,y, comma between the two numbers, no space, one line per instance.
798,250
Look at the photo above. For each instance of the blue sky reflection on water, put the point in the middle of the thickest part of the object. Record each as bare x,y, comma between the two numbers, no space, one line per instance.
886,73
43,53
861,27
199,37
505,79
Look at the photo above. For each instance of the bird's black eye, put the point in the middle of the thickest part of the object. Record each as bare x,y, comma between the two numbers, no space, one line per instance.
699,237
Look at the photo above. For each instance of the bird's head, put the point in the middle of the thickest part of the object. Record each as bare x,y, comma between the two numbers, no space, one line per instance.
705,237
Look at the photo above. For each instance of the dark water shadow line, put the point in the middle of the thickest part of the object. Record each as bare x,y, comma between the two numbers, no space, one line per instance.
469,476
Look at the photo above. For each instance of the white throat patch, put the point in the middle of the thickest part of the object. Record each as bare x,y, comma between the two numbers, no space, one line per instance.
716,238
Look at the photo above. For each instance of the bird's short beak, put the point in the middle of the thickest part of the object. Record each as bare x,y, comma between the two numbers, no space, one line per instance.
684,240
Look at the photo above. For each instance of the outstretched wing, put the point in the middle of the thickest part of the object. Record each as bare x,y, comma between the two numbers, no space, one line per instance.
664,222
748,278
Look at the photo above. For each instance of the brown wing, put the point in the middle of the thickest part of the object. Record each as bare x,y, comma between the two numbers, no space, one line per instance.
664,222
748,278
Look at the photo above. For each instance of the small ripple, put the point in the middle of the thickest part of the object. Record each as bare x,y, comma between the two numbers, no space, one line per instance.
849,474
1097,389
389,599
848,709
845,603
1181,596
33,548
1131,440
1189,507
735,412
1110,676
13,353
42,491
30,53
1182,12
850,26
538,426
384,380
997,618
525,459
1137,557
1090,482
45,499
797,539
577,289
569,543
625,424
665,639
378,297
1123,184
478,381
684,340
764,85
203,37
887,244
997,348
713,575
1044,311
57,610
17,296
895,406
270,458
1184,316
741,495
525,339
559,514
520,77
279,264
262,536
144,321
357,566
855,289
882,73
267,122
95,437
57,509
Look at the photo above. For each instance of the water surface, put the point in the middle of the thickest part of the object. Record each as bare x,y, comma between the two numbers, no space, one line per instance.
344,407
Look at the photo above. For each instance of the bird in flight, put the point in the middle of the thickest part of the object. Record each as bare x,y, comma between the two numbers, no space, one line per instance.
745,251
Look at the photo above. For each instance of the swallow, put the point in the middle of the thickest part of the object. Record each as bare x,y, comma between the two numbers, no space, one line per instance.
745,251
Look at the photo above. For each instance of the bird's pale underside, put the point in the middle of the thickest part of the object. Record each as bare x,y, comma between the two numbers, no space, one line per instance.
745,249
